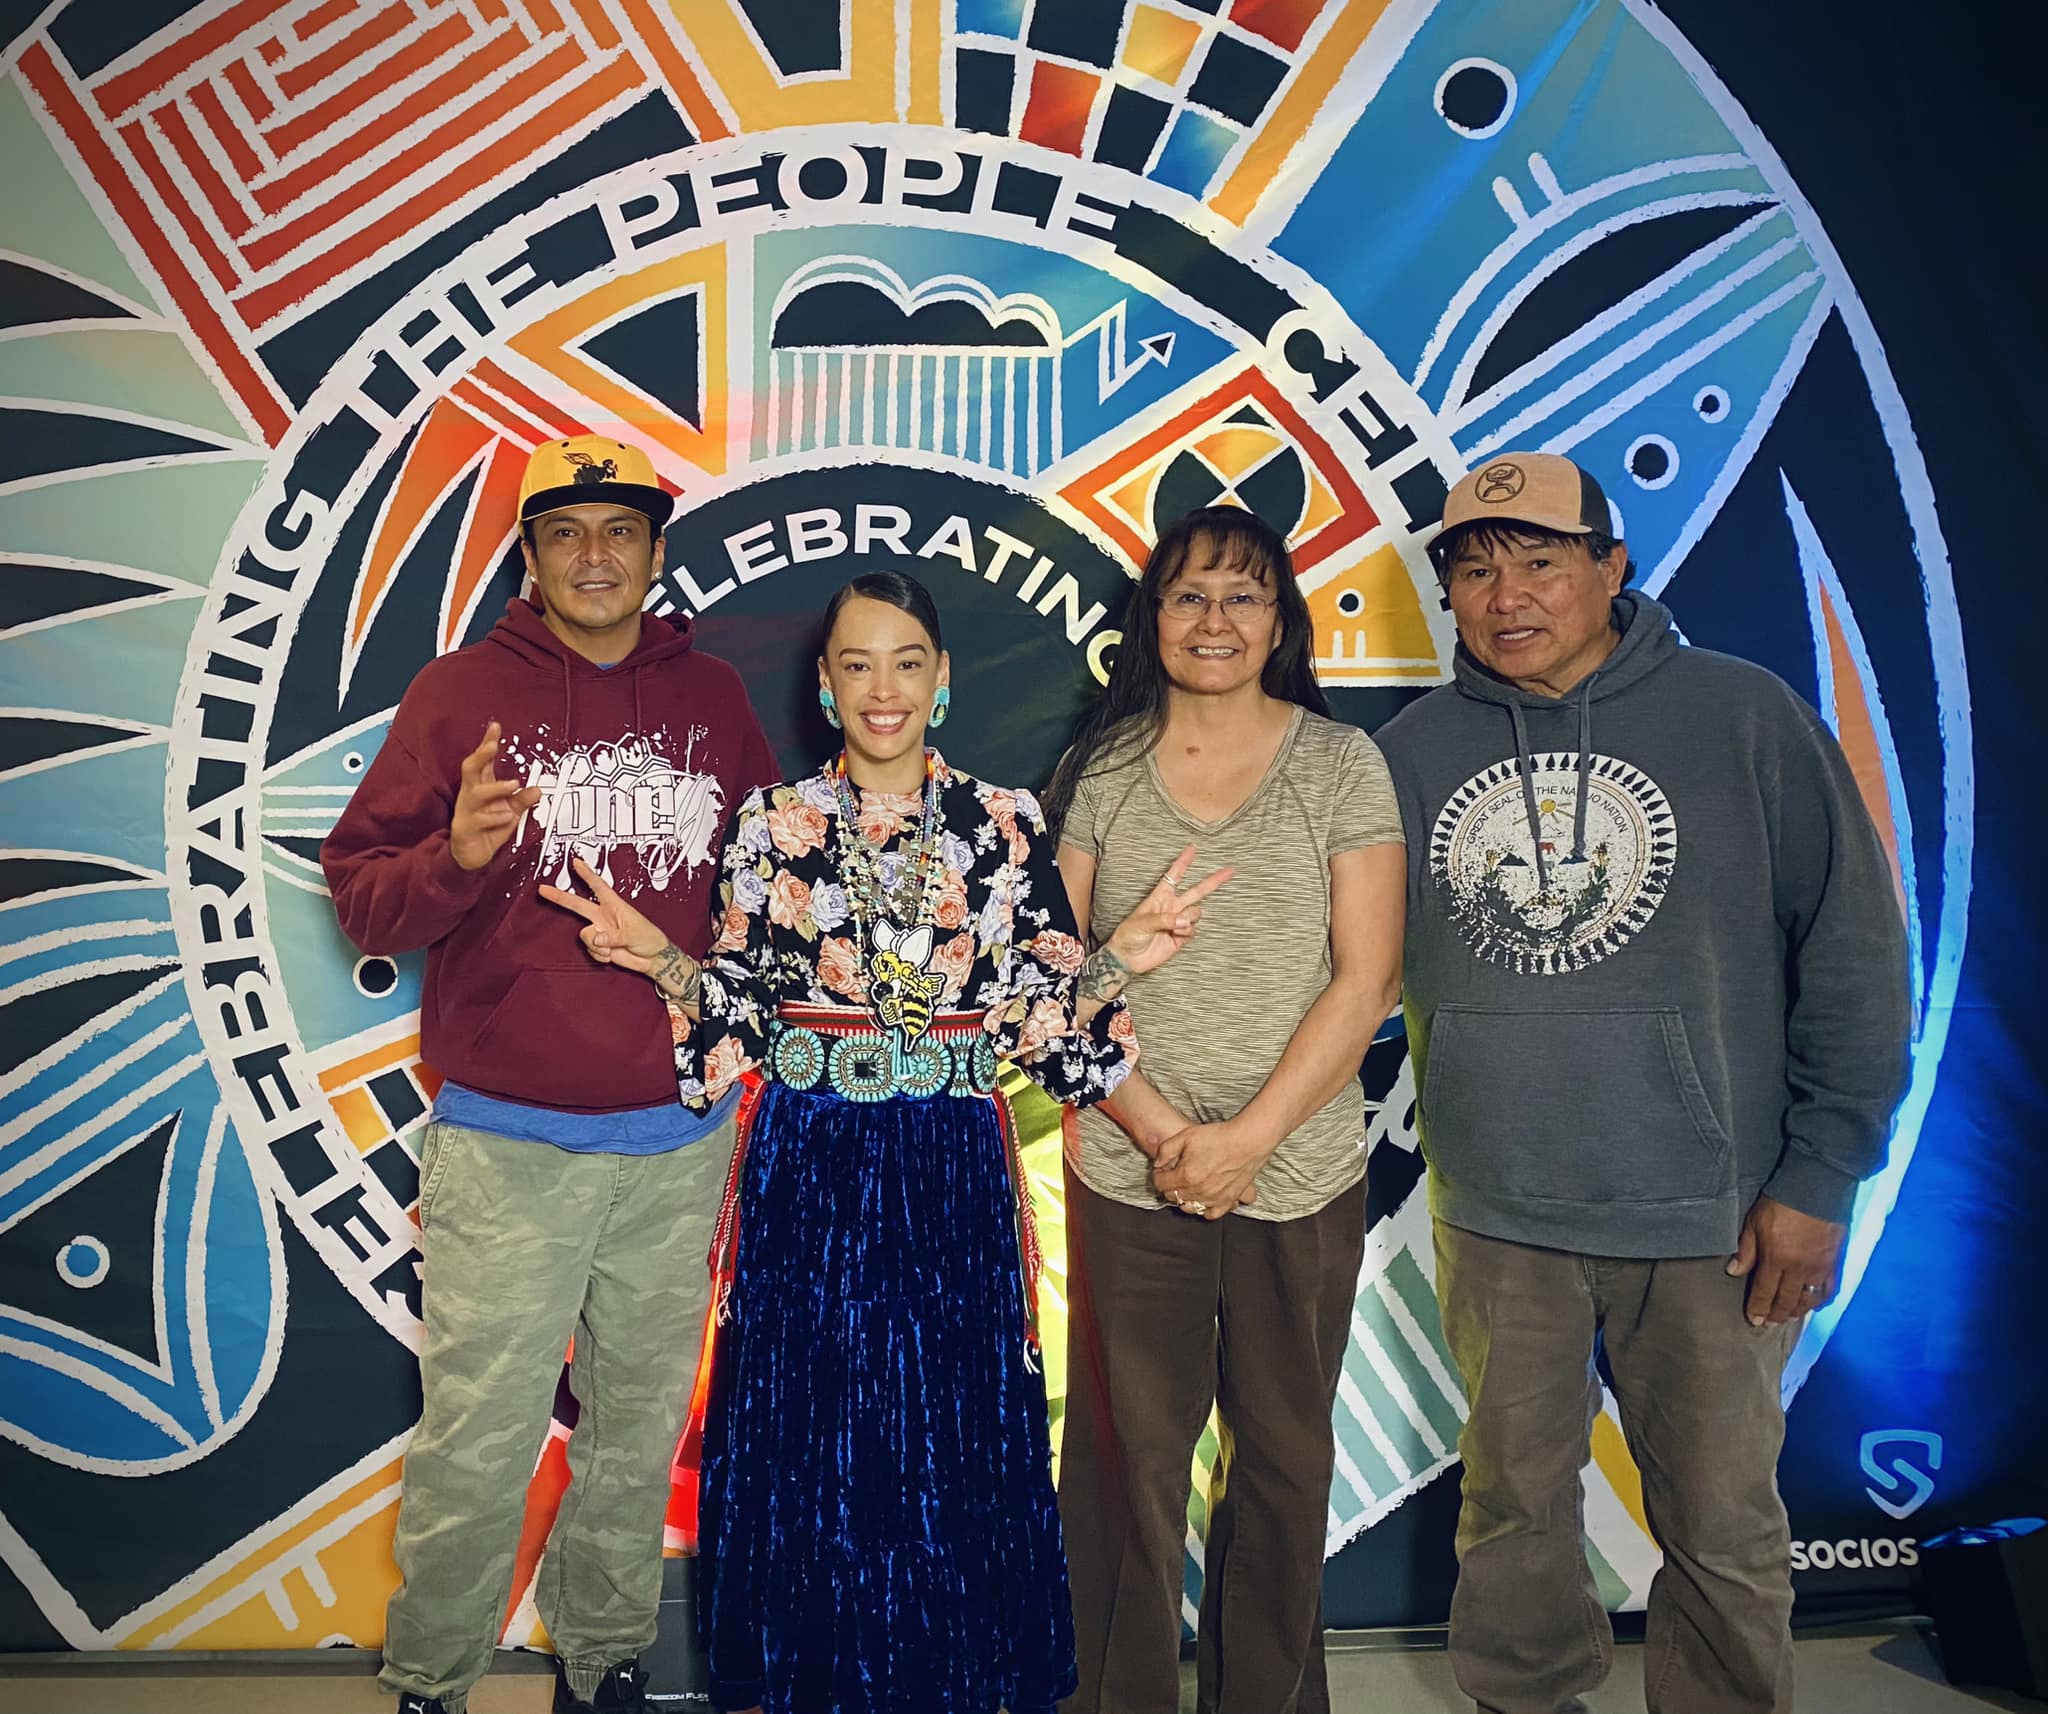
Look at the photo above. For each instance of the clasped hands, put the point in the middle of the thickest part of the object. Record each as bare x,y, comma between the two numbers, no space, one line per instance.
1209,1170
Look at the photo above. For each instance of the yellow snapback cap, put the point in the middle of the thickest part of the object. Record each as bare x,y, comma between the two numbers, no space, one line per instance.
589,469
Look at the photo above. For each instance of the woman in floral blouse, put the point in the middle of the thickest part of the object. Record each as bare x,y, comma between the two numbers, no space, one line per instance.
879,1530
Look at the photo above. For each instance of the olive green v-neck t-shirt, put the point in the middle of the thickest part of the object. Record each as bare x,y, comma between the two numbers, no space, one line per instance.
1213,1020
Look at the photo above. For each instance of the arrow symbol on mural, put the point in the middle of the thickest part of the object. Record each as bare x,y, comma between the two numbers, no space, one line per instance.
1114,362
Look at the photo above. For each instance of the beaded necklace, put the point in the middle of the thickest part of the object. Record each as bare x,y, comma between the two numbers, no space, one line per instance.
894,923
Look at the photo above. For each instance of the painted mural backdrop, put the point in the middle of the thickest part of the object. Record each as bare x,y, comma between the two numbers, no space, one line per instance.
986,288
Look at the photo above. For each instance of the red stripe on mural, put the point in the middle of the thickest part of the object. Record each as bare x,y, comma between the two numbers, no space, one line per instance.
245,85
490,528
197,303
554,421
431,98
177,199
225,132
449,442
677,73
443,91
598,22
321,17
129,89
429,153
1281,22
296,80
198,160
530,142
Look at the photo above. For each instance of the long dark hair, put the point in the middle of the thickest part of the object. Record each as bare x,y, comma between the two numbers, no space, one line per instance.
897,589
1126,719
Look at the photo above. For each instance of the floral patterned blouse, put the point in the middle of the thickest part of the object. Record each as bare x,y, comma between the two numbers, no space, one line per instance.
1005,935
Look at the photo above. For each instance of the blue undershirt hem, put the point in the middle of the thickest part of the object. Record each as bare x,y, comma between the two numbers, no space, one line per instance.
632,1131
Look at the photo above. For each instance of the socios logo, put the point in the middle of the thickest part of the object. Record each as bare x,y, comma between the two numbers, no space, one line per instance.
1900,1462
1857,1553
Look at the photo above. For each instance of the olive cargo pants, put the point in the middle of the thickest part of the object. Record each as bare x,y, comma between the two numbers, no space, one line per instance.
525,1245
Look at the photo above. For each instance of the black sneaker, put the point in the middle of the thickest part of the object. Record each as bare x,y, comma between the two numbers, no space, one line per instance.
622,1690
411,1704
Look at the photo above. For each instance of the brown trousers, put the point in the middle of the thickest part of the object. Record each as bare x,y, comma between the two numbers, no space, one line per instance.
1167,1316
1698,1391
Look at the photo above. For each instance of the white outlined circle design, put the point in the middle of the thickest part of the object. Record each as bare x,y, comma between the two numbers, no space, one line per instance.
1556,911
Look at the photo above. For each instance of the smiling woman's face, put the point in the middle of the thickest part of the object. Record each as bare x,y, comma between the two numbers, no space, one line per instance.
883,672
1218,625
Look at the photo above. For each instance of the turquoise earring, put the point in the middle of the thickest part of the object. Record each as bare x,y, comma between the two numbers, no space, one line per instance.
942,705
830,707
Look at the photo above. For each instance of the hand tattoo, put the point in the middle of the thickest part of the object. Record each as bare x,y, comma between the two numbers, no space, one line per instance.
1103,975
678,975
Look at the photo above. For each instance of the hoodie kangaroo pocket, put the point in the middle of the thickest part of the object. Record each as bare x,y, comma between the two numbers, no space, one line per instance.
578,1039
1585,1106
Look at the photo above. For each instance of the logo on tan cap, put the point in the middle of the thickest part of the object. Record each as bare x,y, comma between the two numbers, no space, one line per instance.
1542,489
1499,483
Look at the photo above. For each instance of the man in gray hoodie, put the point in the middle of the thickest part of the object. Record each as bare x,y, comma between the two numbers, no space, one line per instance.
1656,998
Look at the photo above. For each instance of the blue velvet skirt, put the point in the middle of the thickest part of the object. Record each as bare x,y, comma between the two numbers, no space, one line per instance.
879,1529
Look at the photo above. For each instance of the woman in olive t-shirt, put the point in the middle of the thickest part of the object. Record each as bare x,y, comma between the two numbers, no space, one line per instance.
1216,1205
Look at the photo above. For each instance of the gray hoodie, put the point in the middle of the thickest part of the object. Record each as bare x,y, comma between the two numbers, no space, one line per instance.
1655,961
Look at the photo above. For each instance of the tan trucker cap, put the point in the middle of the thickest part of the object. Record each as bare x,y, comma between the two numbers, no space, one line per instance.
1540,488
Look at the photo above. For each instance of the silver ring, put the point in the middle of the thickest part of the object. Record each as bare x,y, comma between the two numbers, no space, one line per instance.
1196,1207
1810,1290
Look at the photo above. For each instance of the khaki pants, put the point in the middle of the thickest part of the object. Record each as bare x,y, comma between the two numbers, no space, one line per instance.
1168,1315
524,1246
1698,1391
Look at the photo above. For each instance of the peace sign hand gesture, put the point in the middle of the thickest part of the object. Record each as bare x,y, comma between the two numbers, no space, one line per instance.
613,932
1165,920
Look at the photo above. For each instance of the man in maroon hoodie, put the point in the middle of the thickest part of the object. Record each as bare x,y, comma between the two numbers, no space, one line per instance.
564,1191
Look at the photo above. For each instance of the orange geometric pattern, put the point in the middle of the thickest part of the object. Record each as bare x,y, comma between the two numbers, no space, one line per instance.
1856,724
1117,494
1301,101
551,345
369,120
1056,113
266,156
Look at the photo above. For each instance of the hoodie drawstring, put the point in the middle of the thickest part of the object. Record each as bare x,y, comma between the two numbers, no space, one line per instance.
1585,768
1525,764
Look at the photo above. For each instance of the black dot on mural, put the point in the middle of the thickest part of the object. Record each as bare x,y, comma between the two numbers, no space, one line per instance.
1473,98
1712,404
1350,603
352,763
1649,462
376,977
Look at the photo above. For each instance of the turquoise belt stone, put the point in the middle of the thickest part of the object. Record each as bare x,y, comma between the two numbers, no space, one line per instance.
846,1054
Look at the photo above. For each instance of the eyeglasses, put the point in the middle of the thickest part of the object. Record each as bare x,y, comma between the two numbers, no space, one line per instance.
1189,606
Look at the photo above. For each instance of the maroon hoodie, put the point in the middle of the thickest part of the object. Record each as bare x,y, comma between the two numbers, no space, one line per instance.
640,767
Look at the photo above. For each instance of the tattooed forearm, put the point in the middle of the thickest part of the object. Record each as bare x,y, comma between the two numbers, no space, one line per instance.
678,975
1102,977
